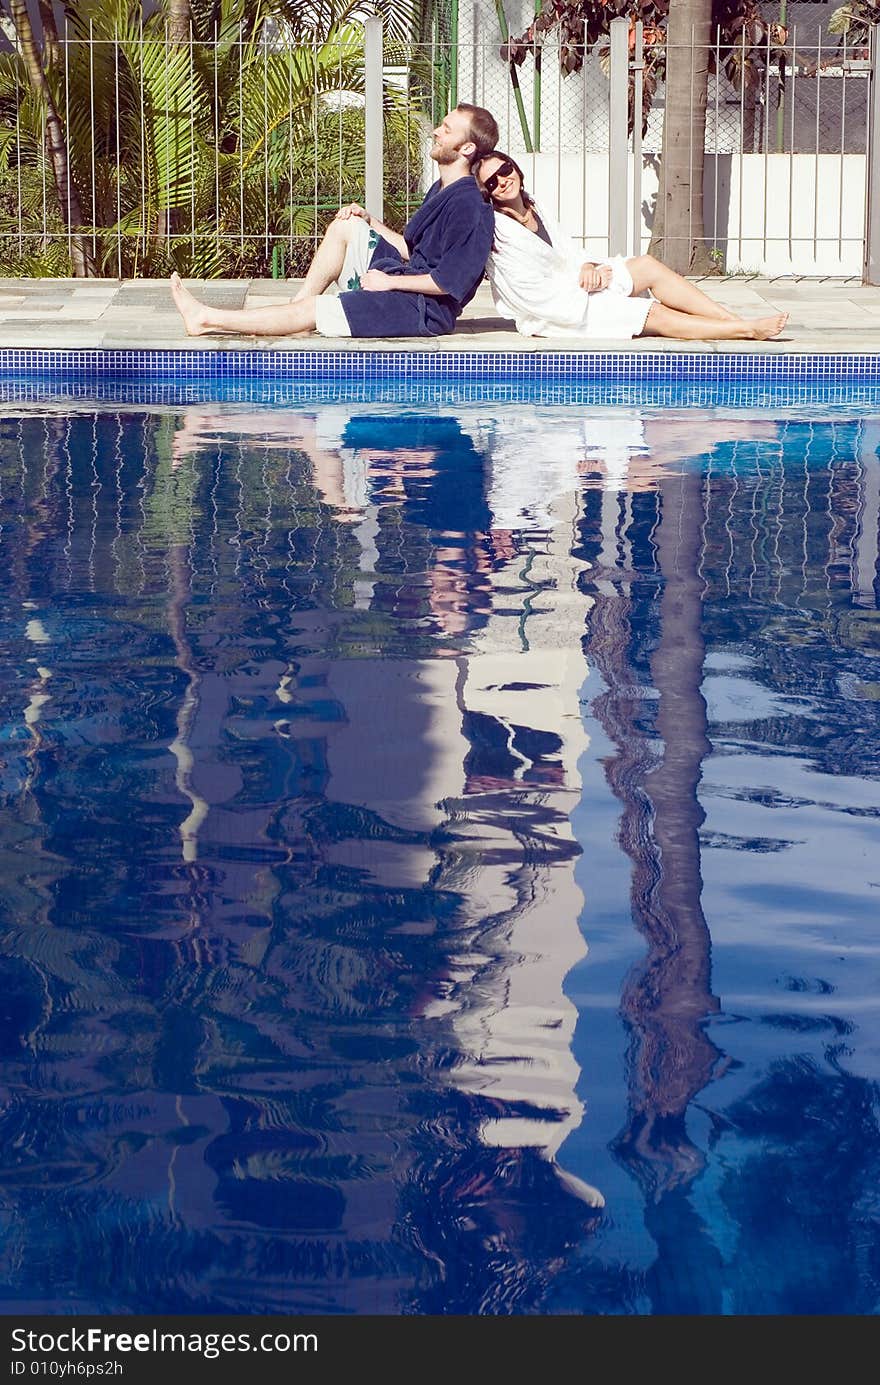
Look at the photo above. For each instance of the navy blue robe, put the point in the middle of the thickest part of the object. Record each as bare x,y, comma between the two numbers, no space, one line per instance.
449,237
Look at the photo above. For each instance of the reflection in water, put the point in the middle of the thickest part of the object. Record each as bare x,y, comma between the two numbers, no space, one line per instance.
340,965
668,999
293,908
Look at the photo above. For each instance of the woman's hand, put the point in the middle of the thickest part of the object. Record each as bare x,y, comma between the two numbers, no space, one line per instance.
352,209
594,277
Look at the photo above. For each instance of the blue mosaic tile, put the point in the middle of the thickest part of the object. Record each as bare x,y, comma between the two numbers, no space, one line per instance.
419,375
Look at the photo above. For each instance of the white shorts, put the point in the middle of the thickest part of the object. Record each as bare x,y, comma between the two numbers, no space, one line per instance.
330,319
614,312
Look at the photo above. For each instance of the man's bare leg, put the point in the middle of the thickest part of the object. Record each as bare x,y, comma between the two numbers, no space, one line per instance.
668,322
328,259
672,290
281,320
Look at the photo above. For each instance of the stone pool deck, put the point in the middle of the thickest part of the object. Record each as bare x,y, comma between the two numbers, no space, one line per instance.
826,315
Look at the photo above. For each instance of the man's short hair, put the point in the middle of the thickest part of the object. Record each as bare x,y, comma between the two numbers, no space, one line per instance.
483,129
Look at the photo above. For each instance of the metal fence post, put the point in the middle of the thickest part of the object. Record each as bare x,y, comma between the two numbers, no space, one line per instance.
617,137
871,273
373,158
637,67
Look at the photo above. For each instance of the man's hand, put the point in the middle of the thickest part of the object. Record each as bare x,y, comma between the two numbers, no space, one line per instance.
594,277
375,280
351,209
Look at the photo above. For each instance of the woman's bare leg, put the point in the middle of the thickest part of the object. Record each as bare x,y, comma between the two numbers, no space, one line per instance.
669,322
281,320
672,290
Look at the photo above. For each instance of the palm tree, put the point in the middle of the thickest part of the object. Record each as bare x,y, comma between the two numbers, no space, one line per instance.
680,197
178,33
208,137
65,186
748,46
179,21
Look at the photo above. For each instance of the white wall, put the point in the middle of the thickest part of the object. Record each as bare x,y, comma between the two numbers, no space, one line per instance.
763,212
814,222
799,213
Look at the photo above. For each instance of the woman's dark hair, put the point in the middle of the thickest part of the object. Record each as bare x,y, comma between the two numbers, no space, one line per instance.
500,154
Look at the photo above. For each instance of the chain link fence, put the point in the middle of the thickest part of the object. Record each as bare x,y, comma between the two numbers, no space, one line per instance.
228,158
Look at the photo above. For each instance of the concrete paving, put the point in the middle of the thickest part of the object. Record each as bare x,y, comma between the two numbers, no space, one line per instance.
826,315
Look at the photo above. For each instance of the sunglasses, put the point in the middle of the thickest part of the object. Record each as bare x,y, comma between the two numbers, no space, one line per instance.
502,171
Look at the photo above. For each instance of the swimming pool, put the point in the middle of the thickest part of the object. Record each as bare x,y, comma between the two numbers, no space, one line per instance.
439,853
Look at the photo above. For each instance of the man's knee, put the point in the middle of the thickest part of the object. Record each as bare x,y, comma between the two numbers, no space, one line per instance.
334,232
343,231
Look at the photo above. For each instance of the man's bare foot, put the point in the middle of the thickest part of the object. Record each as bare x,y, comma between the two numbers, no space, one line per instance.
765,327
194,313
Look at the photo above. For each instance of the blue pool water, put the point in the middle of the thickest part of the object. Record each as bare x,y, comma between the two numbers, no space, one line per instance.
439,856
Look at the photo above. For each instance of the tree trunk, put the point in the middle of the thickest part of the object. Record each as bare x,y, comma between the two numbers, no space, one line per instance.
678,235
71,212
668,1000
51,45
178,21
178,33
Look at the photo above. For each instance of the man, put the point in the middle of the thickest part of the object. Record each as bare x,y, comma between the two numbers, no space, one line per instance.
409,285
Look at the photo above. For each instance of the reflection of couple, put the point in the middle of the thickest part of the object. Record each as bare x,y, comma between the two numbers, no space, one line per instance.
472,794
416,284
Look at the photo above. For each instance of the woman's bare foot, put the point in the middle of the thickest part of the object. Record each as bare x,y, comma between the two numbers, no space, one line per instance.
765,327
195,314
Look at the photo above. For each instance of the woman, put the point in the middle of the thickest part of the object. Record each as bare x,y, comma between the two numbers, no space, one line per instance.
540,278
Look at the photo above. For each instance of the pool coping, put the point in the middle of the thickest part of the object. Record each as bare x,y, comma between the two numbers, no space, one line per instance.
835,321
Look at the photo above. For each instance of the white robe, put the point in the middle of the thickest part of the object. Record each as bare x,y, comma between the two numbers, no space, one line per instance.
537,284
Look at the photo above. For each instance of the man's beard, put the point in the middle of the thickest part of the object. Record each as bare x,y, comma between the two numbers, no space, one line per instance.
446,156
